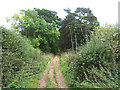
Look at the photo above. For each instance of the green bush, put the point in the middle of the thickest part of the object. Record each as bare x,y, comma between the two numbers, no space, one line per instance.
95,65
16,52
87,59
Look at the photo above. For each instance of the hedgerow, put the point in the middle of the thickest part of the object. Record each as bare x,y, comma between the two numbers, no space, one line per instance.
19,58
95,64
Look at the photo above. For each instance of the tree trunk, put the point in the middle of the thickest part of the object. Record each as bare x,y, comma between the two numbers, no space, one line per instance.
86,35
76,41
71,40
72,43
83,34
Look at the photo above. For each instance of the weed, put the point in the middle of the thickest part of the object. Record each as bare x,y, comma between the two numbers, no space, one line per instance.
48,82
54,72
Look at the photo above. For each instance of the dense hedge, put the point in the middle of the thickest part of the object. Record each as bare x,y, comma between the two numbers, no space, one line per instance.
89,64
16,53
95,64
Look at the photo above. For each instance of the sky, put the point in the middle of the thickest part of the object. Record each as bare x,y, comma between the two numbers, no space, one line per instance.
106,11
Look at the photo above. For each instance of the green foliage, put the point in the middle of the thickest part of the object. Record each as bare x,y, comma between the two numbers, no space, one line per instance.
33,81
49,84
12,54
19,58
41,30
78,23
95,65
54,72
64,65
49,16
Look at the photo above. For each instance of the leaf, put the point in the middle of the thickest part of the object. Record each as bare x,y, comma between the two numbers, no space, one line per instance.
115,34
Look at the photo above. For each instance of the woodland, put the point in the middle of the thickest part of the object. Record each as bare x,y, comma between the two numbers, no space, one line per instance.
88,53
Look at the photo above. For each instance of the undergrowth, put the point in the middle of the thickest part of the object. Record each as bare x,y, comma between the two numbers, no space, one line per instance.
31,81
95,65
49,84
54,72
20,60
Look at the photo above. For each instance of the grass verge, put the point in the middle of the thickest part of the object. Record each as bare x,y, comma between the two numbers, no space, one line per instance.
63,65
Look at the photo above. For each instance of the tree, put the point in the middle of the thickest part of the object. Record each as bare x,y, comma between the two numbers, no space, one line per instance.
77,25
86,19
67,32
42,34
49,16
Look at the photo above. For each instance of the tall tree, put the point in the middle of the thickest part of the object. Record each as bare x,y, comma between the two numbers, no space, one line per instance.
49,16
42,34
80,23
66,38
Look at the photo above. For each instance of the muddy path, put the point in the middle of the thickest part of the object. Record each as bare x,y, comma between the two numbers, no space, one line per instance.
52,77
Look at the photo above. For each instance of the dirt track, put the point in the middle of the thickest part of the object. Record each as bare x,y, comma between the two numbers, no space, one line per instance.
49,73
